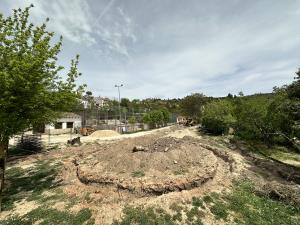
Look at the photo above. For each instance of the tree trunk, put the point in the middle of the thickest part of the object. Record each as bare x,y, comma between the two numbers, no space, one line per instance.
3,154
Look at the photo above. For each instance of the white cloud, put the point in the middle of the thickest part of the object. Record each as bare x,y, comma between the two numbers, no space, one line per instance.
171,48
69,19
115,30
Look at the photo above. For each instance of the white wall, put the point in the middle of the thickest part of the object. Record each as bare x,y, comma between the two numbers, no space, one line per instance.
51,128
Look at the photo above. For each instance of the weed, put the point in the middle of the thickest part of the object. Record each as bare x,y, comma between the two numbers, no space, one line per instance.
192,214
242,204
214,195
137,173
47,216
30,183
197,202
180,172
148,216
176,207
220,210
87,197
207,199
257,210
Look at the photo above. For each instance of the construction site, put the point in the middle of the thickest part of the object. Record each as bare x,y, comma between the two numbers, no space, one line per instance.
109,172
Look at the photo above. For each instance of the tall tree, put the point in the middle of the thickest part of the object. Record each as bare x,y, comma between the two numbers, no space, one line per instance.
32,92
192,106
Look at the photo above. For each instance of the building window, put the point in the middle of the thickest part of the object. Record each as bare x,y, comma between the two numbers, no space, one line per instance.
69,124
58,125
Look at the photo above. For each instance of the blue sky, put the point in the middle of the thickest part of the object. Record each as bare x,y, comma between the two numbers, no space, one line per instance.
171,48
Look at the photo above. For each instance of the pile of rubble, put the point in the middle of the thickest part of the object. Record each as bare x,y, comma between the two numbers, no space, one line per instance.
160,145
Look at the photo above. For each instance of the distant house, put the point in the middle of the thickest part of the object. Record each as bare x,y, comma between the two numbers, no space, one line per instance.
181,120
101,101
68,122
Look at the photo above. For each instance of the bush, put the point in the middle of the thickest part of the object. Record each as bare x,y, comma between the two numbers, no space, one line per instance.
30,143
132,120
217,117
157,118
192,106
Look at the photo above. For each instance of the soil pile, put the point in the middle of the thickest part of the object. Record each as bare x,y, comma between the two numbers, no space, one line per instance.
170,164
104,133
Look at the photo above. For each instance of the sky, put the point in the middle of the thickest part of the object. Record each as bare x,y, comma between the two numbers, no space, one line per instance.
172,48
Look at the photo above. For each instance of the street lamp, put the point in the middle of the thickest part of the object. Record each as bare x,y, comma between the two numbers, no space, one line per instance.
118,86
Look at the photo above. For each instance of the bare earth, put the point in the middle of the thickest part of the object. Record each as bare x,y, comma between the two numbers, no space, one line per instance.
171,164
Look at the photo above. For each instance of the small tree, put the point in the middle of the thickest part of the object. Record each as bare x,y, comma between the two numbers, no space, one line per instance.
251,115
156,118
218,116
192,106
166,115
32,92
132,120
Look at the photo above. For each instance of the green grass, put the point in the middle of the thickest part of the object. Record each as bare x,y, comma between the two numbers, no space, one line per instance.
138,174
197,202
180,172
29,183
158,216
219,209
255,210
249,209
240,206
277,152
148,216
207,199
49,216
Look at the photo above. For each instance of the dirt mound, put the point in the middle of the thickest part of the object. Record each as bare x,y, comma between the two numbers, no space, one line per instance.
164,144
104,133
170,165
160,145
284,192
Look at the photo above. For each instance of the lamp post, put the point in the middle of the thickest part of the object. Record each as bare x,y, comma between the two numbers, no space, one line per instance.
118,86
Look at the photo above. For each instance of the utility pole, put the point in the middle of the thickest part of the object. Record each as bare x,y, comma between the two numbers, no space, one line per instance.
118,86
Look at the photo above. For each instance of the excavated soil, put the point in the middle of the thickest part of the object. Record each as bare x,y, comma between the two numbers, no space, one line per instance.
164,165
158,168
153,164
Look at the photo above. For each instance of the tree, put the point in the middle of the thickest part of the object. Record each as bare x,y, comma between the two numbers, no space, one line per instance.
125,102
293,90
218,116
192,106
89,98
156,118
229,95
166,115
32,92
132,120
251,118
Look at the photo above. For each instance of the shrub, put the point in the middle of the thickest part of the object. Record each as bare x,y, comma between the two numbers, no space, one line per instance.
218,116
157,118
30,143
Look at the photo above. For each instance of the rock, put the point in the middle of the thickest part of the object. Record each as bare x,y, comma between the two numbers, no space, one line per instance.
175,162
139,148
166,149
74,141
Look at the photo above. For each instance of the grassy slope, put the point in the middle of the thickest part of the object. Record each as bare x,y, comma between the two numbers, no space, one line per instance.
29,184
241,206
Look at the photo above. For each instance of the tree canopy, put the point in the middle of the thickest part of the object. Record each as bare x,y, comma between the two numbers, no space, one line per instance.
192,106
32,90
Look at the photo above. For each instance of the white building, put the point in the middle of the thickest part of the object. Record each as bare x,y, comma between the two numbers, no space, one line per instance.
101,101
66,124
